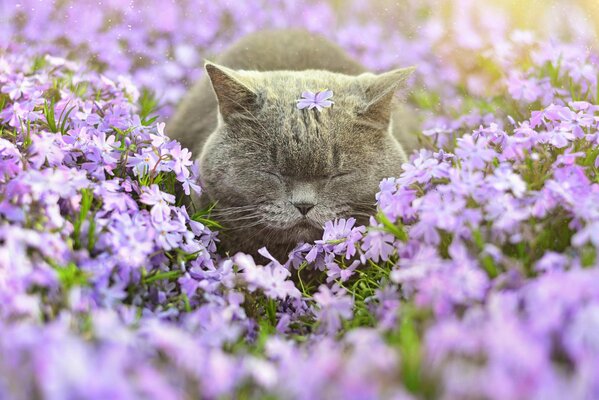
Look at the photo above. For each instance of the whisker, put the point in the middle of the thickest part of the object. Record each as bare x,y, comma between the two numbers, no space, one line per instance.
243,218
242,227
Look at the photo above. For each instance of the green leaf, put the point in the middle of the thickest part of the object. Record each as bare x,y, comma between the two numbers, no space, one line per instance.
71,276
203,217
63,120
162,275
588,256
39,62
148,104
87,197
487,262
49,114
396,229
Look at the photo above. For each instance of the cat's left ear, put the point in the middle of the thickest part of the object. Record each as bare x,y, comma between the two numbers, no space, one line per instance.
379,91
232,89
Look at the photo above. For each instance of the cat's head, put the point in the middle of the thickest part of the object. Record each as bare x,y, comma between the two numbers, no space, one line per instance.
279,172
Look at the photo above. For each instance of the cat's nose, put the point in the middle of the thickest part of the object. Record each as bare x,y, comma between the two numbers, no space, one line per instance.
304,207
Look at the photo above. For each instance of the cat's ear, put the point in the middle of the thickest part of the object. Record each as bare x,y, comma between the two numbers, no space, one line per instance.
379,91
232,89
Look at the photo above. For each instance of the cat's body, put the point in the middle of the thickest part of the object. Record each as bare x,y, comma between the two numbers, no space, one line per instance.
279,173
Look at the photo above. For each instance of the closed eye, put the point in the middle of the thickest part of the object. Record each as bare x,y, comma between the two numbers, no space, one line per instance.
340,175
271,173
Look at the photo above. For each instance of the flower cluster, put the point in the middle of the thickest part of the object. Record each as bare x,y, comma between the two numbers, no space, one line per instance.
477,277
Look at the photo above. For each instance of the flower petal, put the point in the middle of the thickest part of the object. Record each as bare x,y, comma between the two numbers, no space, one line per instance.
324,95
303,103
326,103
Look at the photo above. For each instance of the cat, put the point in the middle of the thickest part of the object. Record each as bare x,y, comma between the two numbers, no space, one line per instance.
278,173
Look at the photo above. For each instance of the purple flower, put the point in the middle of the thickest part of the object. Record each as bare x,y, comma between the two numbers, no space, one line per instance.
334,271
475,153
180,161
340,237
159,201
377,245
108,281
145,162
318,100
271,279
332,309
191,181
527,90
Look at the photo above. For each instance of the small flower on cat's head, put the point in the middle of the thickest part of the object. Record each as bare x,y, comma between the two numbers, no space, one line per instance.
318,100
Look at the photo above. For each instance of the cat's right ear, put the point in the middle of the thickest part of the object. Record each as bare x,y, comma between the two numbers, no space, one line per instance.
234,95
379,91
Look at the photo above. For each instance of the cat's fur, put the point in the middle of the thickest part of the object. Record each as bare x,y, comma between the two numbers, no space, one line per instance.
264,161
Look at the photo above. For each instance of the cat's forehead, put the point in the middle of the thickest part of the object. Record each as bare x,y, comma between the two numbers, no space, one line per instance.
289,85
307,141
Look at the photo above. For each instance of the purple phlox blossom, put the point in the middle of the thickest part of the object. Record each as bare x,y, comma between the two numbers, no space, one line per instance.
395,200
576,122
589,233
159,138
507,212
505,179
87,114
10,160
569,184
377,244
441,135
20,113
318,100
136,232
475,153
422,169
332,309
114,197
470,283
191,181
47,147
583,71
414,267
568,157
16,86
545,116
581,339
443,209
169,233
180,160
552,261
212,277
145,163
560,137
387,304
443,156
107,146
77,139
189,285
272,279
159,201
63,182
334,271
340,237
95,164
524,89
492,132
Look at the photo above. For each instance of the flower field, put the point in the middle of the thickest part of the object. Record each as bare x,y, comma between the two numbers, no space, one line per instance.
478,276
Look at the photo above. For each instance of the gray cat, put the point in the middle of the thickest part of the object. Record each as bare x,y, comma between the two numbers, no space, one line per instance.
278,173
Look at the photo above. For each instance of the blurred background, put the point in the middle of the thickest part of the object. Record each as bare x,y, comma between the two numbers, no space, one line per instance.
159,44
